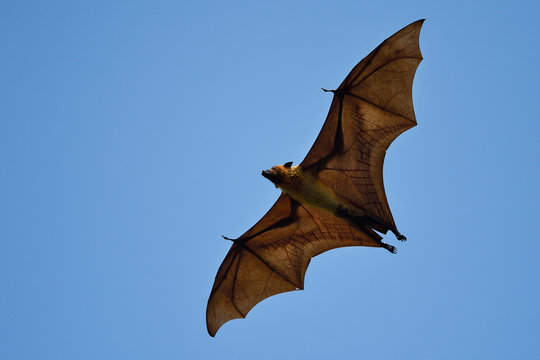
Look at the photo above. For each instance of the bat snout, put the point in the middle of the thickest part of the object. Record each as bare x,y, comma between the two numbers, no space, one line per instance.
266,174
270,175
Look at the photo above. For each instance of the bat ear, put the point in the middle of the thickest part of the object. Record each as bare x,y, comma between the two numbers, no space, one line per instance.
288,164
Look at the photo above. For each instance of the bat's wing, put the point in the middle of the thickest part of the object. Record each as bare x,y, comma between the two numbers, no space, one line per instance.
369,110
272,257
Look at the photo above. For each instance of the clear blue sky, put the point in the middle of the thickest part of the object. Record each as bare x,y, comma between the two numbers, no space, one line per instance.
133,134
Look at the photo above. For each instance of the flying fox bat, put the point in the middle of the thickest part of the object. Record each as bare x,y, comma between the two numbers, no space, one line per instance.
335,197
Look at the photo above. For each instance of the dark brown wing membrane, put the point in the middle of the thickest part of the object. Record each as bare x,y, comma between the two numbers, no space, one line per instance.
370,109
272,257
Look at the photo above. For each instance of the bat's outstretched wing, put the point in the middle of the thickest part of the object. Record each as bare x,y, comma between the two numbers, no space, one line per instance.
369,110
272,257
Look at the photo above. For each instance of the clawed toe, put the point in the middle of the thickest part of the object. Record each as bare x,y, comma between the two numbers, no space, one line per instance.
401,237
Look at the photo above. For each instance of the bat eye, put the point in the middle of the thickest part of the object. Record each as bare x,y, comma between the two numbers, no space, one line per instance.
288,164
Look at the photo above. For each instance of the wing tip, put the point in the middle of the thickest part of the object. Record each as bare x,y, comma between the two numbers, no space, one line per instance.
213,326
214,323
417,23
412,27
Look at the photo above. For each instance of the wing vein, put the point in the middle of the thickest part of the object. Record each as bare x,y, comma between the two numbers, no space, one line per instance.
223,278
269,266
234,287
382,66
378,106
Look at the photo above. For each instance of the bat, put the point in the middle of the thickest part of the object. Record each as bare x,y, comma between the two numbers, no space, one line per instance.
335,197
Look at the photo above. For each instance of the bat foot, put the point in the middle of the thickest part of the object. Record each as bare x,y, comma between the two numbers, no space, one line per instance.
389,247
401,237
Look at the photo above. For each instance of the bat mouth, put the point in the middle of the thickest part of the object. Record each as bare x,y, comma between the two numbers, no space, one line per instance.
269,175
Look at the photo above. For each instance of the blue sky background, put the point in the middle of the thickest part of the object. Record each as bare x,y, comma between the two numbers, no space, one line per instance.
133,134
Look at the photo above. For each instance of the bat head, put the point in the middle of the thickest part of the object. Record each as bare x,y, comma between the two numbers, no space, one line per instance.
278,174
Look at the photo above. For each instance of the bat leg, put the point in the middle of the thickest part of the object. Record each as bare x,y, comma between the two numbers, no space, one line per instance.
360,222
398,235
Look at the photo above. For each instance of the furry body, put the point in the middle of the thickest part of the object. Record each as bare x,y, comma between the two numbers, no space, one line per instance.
307,189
